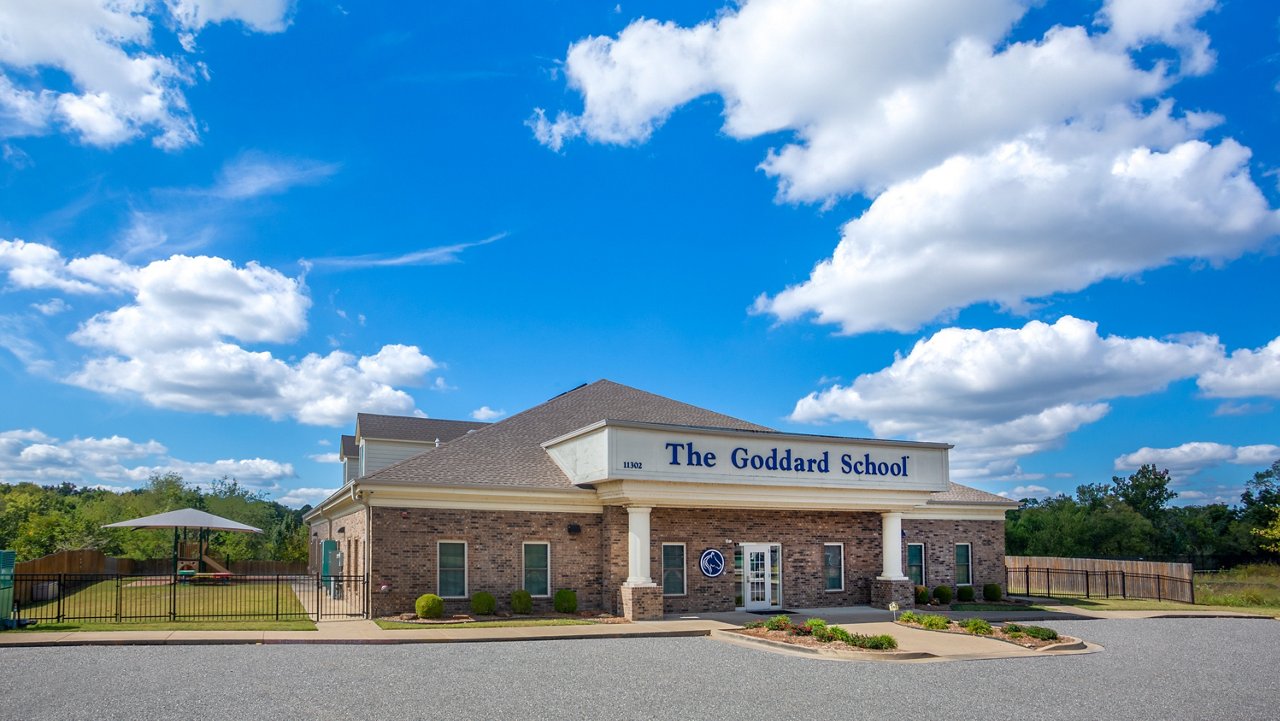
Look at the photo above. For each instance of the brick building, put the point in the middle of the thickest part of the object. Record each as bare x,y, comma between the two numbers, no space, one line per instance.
644,506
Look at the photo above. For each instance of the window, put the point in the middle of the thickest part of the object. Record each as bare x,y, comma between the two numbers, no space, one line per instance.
451,573
673,569
915,563
964,569
537,568
833,565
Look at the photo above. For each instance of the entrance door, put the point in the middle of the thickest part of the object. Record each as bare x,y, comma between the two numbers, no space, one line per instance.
757,573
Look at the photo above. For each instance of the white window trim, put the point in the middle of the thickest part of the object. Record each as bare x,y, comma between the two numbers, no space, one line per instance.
970,547
684,570
523,567
466,570
924,563
824,568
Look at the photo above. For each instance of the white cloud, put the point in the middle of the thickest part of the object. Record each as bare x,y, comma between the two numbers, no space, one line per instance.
303,496
253,175
1247,373
325,457
1003,394
439,255
485,413
53,306
268,16
1019,223
1000,170
110,85
1189,459
1025,492
181,342
119,463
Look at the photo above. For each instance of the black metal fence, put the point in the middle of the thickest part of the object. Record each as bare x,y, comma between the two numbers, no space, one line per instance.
121,598
1058,582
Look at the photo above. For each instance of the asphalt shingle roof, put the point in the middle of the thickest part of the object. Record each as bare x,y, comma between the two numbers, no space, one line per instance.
410,428
349,447
964,494
509,453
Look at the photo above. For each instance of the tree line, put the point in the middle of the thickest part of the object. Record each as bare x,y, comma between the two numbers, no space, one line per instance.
1130,517
38,520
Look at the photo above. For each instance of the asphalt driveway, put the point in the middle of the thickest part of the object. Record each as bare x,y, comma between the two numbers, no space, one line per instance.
1151,669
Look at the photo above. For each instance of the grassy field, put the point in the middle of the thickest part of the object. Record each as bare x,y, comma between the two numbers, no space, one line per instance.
143,600
65,626
1120,604
515,623
1254,585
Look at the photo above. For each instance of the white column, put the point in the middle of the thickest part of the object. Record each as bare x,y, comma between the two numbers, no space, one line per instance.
891,540
638,546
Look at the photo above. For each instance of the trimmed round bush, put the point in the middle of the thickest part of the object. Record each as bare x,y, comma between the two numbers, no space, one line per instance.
964,594
943,594
521,602
566,601
483,604
429,605
992,592
922,595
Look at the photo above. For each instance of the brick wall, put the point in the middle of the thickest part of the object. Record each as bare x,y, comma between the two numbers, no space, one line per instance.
940,539
405,555
802,535
352,541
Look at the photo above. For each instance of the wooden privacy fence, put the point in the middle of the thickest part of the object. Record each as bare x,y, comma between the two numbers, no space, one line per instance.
1095,577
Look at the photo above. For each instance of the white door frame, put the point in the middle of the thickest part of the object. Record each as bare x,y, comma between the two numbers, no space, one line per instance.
767,601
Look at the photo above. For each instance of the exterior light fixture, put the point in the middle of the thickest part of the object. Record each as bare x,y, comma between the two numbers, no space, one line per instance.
574,529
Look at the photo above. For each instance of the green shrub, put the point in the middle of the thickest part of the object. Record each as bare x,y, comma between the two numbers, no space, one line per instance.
815,627
429,605
521,602
909,617
1039,632
778,623
976,625
964,594
483,603
754,624
566,601
839,634
922,595
943,594
882,642
934,622
815,623
992,592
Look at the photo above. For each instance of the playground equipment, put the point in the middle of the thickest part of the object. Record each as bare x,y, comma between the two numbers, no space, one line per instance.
190,550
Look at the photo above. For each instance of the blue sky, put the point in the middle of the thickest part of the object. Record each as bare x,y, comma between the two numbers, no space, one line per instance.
1045,233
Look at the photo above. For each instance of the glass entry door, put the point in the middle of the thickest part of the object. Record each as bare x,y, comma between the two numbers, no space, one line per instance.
761,578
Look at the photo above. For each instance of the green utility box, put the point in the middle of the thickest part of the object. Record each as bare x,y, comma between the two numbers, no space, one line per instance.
7,561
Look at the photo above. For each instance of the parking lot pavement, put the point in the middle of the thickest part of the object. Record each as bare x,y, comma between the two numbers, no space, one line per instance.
1150,669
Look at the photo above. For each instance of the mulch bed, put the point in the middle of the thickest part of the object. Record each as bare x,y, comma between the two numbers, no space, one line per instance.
806,641
997,632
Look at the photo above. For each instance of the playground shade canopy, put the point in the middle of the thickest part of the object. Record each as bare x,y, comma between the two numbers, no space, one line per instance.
186,518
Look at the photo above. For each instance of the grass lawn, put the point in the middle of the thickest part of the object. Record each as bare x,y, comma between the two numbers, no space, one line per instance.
990,607
514,623
143,599
172,626
1120,604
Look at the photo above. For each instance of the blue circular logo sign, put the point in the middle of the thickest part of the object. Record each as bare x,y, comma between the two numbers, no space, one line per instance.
712,563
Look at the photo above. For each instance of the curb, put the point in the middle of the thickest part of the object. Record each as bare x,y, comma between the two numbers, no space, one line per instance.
392,641
831,654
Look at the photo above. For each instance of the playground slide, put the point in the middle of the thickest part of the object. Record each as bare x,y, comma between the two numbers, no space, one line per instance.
217,567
